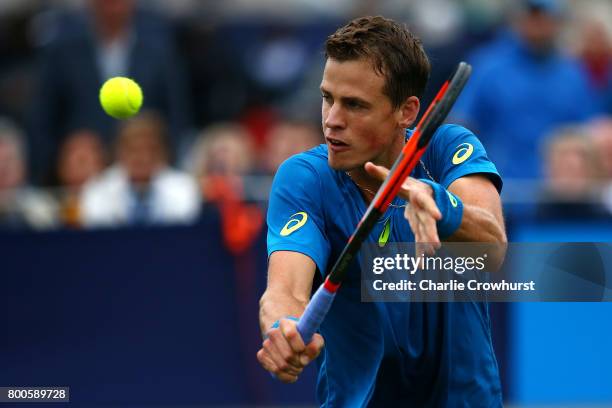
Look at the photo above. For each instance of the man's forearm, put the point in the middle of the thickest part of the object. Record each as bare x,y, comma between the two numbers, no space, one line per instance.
275,305
479,225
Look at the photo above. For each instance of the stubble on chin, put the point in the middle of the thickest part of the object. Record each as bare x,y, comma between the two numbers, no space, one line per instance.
342,166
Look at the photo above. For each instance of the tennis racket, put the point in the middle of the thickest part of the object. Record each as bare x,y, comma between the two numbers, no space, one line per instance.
437,111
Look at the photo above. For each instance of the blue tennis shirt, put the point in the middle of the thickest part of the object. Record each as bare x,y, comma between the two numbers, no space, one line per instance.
386,354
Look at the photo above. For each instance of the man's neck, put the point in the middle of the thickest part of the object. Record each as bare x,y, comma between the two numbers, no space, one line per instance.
368,184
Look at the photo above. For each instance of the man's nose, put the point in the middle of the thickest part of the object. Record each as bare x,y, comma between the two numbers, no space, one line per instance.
335,117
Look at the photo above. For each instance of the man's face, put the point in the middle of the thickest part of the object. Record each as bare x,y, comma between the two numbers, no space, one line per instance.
570,169
141,155
539,29
287,139
11,166
359,122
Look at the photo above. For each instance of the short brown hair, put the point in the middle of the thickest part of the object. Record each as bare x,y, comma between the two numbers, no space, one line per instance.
394,51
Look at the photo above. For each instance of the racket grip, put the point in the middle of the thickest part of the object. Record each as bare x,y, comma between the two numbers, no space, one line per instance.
315,313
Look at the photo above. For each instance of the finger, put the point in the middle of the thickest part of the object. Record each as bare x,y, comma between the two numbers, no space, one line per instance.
287,378
313,349
289,330
267,362
378,172
264,359
281,364
421,250
405,191
428,227
420,234
422,246
412,221
425,201
409,187
411,215
426,212
283,347
419,229
410,182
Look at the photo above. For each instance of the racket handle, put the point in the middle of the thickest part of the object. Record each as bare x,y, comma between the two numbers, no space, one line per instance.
315,312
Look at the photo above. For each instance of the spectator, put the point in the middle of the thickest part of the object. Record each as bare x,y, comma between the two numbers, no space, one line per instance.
523,88
601,134
109,38
286,139
16,52
20,206
81,157
573,174
593,45
222,157
600,131
140,188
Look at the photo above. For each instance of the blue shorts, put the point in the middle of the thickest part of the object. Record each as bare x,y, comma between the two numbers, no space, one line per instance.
407,354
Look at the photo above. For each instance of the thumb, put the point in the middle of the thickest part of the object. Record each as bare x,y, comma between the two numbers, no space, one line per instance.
312,349
378,172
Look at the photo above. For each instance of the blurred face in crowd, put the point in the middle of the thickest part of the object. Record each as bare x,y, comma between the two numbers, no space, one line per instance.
359,121
80,158
539,29
287,139
572,167
601,133
229,154
595,43
12,171
222,155
142,151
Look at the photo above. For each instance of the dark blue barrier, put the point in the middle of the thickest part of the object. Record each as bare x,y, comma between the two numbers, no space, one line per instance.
149,316
167,316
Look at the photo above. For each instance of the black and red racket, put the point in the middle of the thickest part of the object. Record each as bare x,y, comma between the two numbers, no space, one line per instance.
437,111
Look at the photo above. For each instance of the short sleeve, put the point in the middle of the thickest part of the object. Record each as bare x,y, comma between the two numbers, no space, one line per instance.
295,212
456,153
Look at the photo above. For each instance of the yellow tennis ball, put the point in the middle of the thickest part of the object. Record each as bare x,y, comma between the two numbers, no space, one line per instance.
121,97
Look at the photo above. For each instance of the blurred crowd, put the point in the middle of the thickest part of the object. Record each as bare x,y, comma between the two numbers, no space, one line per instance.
231,91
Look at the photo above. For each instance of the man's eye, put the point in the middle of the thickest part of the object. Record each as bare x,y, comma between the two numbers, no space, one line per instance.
326,97
353,105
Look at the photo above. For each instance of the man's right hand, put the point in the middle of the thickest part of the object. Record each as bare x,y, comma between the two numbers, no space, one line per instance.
284,353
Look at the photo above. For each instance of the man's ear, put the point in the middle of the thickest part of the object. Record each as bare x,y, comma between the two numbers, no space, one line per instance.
408,112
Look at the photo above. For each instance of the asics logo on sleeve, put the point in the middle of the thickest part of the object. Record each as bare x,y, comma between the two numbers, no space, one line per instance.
464,153
296,221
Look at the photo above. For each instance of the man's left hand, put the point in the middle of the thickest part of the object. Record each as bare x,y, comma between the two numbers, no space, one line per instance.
421,211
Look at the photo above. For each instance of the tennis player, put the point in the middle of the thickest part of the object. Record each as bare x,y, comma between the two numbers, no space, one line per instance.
379,354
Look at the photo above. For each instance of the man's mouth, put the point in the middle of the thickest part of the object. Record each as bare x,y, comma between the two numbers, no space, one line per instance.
336,145
336,142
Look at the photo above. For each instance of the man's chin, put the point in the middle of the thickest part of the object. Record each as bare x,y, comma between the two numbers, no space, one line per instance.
342,166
